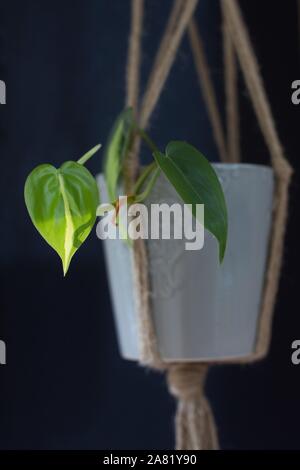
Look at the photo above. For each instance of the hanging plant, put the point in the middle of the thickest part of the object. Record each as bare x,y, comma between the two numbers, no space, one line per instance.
62,203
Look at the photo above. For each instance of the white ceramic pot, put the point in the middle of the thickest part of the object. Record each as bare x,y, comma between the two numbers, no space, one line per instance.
202,311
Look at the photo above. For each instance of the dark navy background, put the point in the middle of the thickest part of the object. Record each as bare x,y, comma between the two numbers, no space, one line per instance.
64,385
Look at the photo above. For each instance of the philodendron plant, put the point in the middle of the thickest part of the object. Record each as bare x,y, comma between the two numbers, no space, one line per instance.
62,202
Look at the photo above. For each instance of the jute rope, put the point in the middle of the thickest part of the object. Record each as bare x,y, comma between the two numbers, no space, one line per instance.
282,169
165,57
133,84
195,428
134,55
147,338
194,419
207,88
254,83
231,93
169,29
236,39
229,151
181,13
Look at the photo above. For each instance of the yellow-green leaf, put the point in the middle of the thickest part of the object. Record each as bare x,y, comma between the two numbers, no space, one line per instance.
62,205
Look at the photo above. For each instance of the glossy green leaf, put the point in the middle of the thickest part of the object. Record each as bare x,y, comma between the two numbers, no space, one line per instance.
62,205
196,182
116,150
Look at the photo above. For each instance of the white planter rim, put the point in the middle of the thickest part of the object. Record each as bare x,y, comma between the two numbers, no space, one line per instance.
242,166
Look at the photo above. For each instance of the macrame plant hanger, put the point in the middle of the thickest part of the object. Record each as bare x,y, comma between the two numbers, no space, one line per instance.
195,427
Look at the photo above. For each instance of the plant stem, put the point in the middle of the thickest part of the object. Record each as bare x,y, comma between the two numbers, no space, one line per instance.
153,147
141,197
150,168
89,154
143,176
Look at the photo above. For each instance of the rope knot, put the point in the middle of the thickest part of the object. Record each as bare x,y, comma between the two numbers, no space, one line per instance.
186,381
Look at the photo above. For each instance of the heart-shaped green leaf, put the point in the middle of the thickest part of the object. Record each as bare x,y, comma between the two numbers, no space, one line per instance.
116,150
62,205
196,182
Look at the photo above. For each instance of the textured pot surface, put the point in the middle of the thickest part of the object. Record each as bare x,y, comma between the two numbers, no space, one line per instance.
202,310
